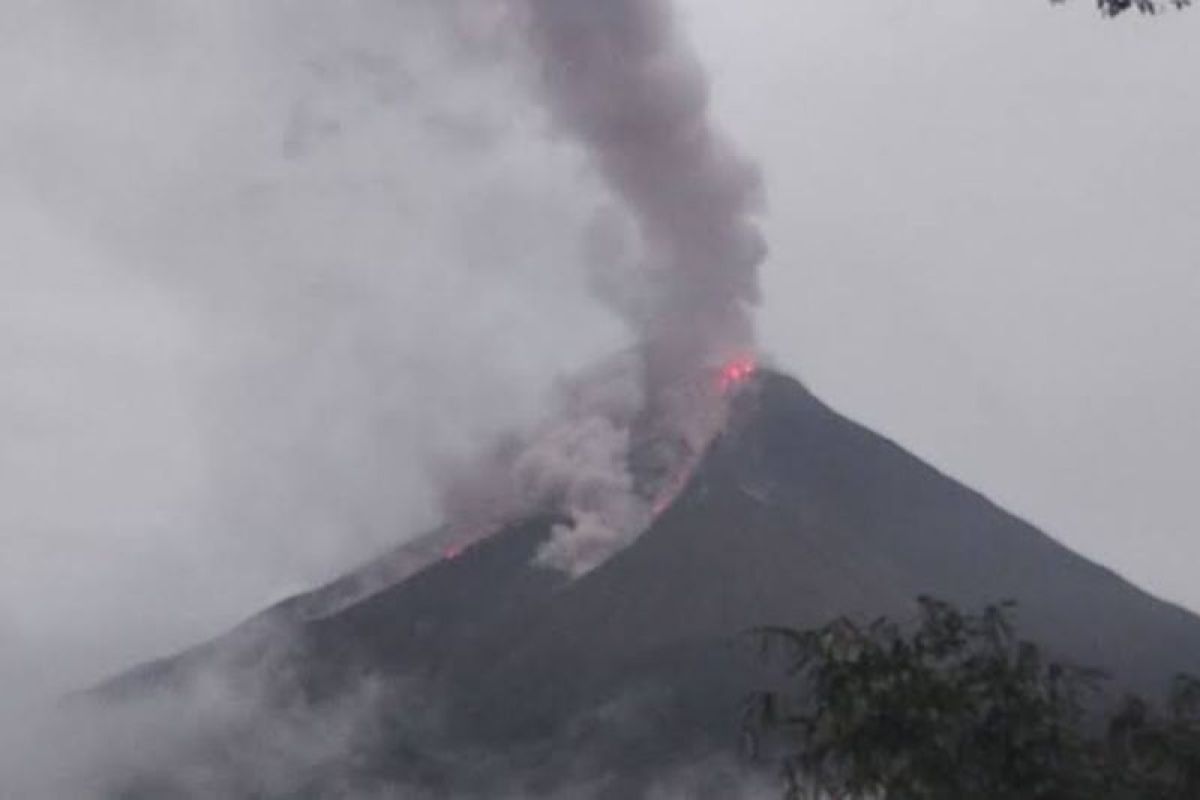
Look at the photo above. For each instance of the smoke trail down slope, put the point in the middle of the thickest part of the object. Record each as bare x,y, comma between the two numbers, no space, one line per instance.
618,77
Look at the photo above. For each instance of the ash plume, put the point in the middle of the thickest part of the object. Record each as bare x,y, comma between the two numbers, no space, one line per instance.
676,257
618,77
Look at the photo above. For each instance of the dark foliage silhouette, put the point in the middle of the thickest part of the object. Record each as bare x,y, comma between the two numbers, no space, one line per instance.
1111,8
955,705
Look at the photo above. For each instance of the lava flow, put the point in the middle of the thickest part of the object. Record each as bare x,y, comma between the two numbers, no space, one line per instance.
731,375
735,373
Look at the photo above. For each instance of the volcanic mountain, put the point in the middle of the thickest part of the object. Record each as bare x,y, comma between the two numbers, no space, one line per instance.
795,515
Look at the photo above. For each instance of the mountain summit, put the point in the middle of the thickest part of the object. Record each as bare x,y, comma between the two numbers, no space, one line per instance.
794,516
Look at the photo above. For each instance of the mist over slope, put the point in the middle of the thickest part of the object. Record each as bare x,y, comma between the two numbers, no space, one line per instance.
488,671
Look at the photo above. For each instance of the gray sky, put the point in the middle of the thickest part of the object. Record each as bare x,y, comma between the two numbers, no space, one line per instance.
984,245
268,265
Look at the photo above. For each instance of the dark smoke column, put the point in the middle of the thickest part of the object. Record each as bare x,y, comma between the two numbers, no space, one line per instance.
618,77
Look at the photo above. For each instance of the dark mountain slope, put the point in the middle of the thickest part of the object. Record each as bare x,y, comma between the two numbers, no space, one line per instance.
795,516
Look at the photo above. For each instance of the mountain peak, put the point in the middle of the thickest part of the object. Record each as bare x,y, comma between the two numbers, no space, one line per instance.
793,516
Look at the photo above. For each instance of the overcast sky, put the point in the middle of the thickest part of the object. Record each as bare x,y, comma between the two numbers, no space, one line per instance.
984,244
267,267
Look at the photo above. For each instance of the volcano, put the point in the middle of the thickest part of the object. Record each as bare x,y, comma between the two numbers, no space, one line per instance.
795,515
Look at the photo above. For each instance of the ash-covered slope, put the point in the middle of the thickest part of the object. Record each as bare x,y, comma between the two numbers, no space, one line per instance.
796,515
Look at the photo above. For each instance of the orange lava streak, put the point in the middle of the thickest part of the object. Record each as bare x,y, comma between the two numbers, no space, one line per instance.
736,372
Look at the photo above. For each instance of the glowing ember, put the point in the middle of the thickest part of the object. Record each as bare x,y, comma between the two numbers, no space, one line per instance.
736,372
452,552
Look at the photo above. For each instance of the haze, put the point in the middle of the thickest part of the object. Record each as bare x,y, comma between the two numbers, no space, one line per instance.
267,269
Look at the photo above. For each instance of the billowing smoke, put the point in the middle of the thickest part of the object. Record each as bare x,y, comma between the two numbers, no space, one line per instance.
576,462
618,77
600,458
676,258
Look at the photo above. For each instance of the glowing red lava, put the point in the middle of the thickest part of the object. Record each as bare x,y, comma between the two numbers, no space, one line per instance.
736,372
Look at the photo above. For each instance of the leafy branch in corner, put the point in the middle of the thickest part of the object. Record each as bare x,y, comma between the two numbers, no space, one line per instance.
956,705
1111,8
